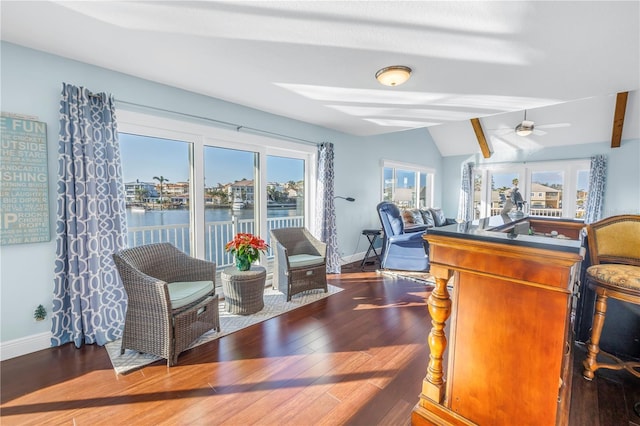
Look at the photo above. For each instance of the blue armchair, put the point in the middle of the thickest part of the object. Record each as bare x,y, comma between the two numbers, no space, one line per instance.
402,249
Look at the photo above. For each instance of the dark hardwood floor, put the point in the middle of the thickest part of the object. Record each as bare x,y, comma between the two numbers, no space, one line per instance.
355,358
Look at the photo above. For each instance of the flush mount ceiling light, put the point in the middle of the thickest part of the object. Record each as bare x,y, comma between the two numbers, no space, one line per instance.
394,75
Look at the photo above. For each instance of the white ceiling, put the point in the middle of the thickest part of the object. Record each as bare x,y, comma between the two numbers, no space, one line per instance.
315,60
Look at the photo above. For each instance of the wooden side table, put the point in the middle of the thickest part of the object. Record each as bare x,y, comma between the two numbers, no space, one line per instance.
244,290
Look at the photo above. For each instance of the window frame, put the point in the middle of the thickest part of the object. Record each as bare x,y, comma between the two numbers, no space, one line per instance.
570,169
202,133
428,171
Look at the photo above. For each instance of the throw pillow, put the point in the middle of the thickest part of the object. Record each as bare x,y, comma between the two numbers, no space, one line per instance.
408,218
417,216
427,218
438,217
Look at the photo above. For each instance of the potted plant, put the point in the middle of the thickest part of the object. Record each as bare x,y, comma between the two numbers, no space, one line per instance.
246,249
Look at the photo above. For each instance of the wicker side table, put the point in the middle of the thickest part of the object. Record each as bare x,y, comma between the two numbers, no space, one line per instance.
244,290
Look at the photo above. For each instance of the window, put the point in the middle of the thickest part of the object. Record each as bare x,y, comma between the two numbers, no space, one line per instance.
408,186
479,201
582,192
197,185
556,189
156,175
229,198
286,188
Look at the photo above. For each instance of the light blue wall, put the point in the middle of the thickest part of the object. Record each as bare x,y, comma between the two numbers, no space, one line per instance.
623,173
31,83
359,175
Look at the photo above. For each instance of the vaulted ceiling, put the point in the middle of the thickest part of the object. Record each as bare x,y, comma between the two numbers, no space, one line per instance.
315,61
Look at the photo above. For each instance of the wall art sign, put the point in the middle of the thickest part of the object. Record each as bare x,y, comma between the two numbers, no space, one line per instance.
24,179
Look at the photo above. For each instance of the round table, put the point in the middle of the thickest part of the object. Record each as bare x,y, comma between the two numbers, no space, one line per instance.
244,290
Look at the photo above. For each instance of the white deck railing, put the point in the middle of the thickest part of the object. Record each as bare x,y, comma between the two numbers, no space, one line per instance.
534,212
217,235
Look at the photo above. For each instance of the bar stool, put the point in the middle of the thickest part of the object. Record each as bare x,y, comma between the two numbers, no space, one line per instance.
614,246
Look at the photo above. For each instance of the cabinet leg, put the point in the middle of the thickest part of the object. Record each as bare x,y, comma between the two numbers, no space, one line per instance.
439,304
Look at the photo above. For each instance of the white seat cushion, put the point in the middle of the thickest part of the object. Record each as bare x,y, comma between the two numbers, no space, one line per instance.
183,293
304,260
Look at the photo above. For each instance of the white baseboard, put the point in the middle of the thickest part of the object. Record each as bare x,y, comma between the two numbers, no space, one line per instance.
356,257
24,345
37,342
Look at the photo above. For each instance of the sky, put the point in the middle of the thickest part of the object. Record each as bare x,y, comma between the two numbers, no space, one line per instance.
504,179
145,157
500,180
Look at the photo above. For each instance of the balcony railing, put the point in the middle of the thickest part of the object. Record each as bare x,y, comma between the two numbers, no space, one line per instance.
534,212
217,235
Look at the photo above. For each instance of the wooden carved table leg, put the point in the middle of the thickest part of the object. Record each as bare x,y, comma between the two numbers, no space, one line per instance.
439,305
593,346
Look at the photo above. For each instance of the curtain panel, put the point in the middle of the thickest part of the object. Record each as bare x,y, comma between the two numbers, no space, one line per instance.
326,212
597,186
466,193
89,301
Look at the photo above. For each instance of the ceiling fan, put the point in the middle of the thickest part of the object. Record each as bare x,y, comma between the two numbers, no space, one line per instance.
528,127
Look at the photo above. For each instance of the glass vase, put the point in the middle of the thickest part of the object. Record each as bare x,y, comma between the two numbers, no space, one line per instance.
243,263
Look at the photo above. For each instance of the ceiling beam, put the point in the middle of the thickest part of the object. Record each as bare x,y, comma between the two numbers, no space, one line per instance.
618,119
482,141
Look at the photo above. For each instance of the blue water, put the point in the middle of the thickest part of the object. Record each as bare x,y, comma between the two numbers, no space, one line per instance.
181,216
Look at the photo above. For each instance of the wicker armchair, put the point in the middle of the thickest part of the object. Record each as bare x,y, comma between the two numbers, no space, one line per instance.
171,299
300,261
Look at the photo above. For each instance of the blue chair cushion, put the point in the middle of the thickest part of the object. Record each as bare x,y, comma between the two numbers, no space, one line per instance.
305,260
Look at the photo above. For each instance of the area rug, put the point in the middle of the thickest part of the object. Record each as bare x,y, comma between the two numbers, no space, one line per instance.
421,277
275,304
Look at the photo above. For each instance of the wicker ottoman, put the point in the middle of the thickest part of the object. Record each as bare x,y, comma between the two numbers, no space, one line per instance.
244,290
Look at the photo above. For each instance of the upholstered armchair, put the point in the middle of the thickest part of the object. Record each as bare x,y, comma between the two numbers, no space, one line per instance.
300,261
614,249
171,299
401,250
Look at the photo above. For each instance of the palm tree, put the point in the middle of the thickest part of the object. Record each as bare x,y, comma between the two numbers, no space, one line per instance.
162,180
218,193
141,194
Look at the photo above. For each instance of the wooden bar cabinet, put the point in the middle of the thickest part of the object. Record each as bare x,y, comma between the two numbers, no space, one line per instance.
501,338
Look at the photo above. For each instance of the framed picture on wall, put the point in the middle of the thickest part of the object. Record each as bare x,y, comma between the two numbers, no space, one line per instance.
24,179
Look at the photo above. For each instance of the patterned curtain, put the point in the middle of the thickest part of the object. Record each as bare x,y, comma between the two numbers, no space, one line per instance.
326,213
597,183
89,301
466,193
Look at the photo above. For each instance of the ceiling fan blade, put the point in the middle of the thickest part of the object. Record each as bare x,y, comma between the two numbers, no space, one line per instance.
538,132
553,126
501,131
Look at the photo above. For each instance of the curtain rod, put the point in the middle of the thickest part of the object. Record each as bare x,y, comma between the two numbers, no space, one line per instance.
237,127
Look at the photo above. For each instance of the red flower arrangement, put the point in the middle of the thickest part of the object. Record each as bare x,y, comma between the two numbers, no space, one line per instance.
246,249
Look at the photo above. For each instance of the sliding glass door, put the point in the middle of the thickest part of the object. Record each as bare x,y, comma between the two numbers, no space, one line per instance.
157,184
196,186
286,188
230,202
